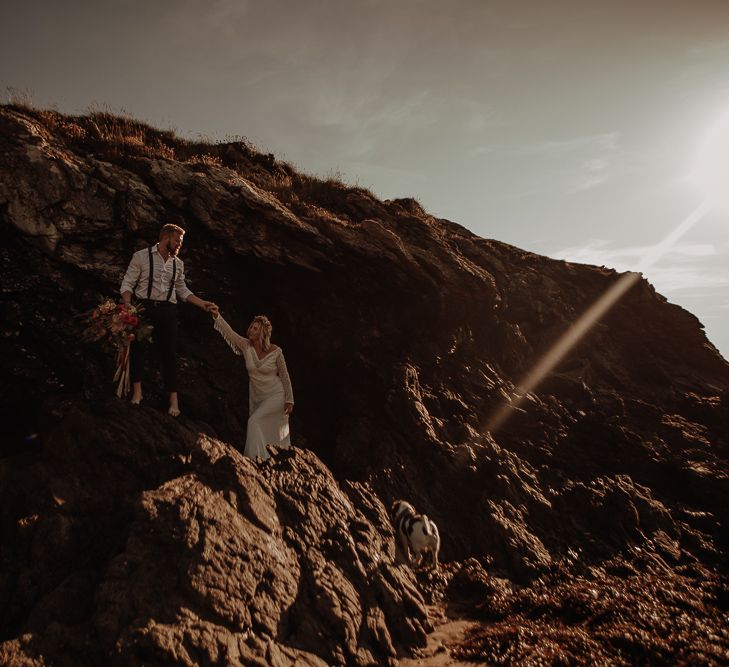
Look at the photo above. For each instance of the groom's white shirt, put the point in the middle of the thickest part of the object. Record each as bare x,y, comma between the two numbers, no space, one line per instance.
137,277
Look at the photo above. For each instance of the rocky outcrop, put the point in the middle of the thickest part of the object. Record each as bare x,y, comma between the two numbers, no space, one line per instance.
137,541
404,335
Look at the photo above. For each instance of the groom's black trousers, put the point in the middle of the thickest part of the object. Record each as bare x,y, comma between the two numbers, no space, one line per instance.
162,315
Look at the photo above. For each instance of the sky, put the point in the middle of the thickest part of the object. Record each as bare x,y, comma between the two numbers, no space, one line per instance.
568,127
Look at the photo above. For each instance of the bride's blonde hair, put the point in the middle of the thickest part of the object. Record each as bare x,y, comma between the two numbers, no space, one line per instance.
266,330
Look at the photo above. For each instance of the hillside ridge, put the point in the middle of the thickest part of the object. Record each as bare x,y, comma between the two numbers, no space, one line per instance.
404,334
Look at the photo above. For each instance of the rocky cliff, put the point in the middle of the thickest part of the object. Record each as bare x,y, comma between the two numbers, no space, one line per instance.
130,537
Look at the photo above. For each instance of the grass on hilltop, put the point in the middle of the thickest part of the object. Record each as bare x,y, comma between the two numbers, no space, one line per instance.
119,138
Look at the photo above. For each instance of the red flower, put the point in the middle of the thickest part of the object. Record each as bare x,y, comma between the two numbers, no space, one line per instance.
130,320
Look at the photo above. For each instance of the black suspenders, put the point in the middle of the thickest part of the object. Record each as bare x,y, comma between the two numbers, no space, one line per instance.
172,282
151,274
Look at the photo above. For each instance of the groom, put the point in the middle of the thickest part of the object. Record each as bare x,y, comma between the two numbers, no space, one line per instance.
156,276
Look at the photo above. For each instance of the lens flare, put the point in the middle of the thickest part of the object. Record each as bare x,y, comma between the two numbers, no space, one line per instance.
590,317
711,174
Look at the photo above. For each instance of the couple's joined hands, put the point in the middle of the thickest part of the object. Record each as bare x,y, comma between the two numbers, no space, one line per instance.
210,307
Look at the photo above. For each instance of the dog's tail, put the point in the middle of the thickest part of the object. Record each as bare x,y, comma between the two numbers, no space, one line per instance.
427,526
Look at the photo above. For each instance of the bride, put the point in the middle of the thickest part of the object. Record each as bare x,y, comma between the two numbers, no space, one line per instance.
271,399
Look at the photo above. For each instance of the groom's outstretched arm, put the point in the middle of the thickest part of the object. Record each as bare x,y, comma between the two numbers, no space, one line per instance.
184,293
207,306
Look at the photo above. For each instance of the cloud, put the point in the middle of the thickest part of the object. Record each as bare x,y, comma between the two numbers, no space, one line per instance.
712,48
605,142
573,165
603,252
684,266
483,150
590,179
678,279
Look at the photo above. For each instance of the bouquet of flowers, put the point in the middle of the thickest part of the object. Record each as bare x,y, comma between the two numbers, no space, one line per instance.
118,325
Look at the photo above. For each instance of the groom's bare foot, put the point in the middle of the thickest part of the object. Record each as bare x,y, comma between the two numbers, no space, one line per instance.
136,393
174,410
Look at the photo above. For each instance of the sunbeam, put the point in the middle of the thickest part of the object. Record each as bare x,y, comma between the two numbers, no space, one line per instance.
710,170
590,317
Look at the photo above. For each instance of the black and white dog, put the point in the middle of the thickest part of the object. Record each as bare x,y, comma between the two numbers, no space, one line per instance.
416,534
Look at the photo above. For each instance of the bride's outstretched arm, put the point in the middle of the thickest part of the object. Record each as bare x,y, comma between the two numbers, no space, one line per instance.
237,342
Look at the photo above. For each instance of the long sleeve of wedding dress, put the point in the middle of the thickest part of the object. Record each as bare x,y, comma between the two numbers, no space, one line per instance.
283,373
237,342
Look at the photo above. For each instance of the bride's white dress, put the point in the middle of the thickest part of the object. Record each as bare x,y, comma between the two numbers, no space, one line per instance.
269,388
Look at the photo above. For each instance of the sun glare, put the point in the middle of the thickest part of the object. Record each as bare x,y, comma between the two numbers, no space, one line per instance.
711,174
711,167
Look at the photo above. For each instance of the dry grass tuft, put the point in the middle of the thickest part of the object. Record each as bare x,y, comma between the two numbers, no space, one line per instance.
119,137
206,159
